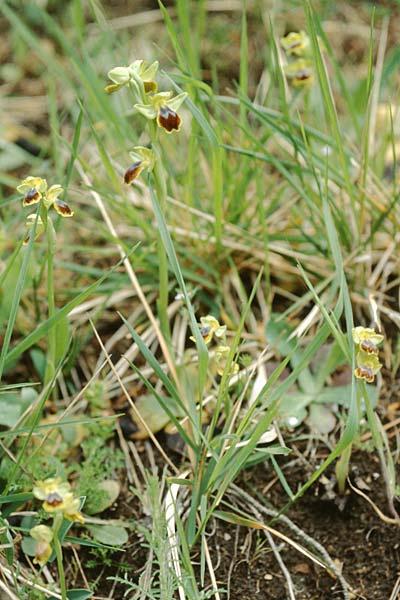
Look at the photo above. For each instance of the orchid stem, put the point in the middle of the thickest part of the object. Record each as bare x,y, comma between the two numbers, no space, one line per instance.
59,556
160,188
52,339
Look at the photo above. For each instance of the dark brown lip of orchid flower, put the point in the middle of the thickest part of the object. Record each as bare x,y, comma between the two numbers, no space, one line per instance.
62,208
365,373
133,172
54,499
205,331
31,197
168,119
295,44
303,75
369,347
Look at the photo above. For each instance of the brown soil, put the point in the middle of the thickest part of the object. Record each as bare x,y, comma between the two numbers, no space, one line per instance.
357,540
355,537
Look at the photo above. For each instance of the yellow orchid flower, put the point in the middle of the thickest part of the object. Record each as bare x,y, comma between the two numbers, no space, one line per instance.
51,199
297,43
367,366
367,360
209,326
52,490
30,222
43,536
34,190
221,356
367,339
300,72
68,506
138,72
143,158
58,498
163,107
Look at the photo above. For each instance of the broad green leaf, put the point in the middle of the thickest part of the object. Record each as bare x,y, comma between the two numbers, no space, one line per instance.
10,409
63,334
109,491
13,405
16,498
74,433
79,594
111,535
39,360
153,413
321,418
28,545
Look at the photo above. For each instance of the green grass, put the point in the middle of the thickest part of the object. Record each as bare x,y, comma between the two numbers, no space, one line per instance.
269,210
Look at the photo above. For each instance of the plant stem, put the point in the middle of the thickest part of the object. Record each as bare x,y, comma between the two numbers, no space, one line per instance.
373,422
52,339
161,192
342,468
138,93
58,519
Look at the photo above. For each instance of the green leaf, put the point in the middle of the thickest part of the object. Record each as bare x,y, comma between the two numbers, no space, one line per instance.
63,333
29,546
86,542
39,360
7,542
42,329
262,454
111,535
278,332
340,394
231,517
293,409
73,433
12,405
79,594
10,409
110,489
321,418
19,498
61,424
153,414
